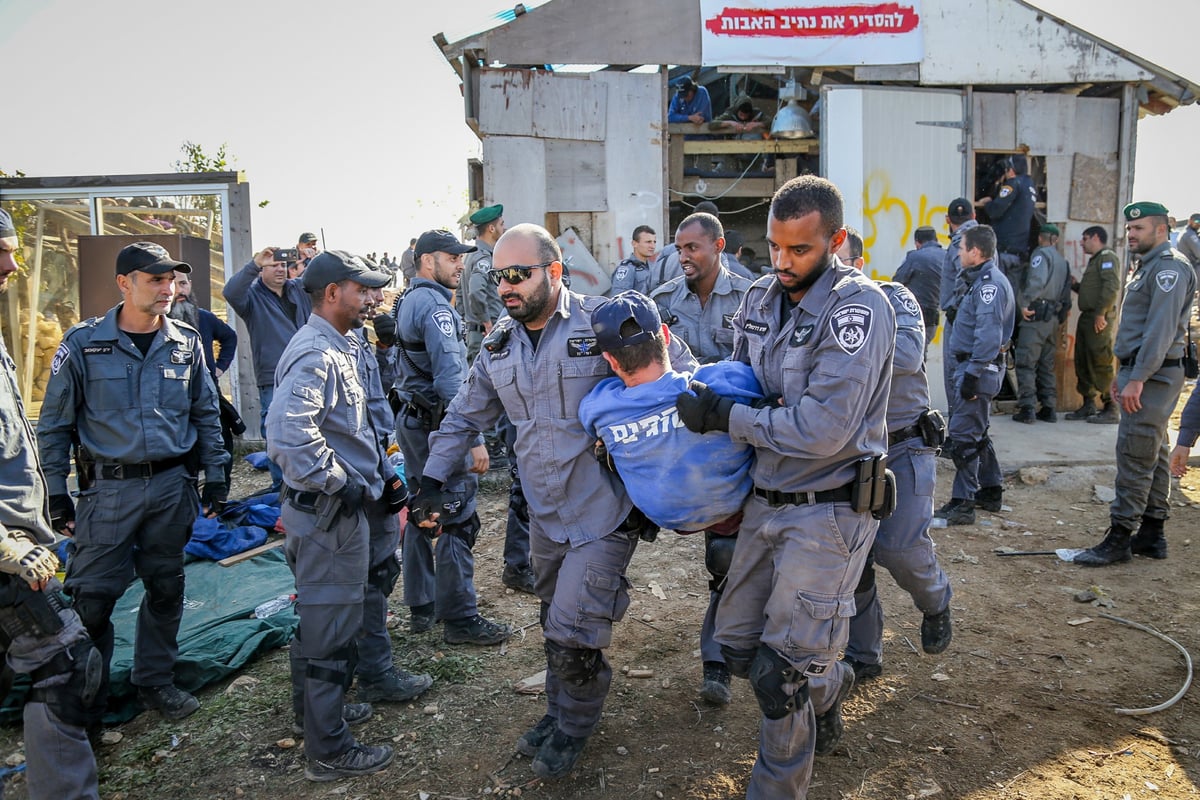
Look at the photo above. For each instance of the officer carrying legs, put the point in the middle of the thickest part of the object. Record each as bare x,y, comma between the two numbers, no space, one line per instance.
133,389
42,637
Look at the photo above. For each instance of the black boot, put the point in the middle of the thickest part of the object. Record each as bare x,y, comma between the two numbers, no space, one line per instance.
1046,414
990,498
1024,414
1088,409
1149,540
829,724
962,514
936,632
1114,549
948,506
1109,416
558,754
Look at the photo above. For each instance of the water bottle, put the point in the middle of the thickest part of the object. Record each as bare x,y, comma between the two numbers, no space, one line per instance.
396,460
273,607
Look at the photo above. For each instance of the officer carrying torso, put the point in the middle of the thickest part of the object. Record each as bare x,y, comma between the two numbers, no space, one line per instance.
481,305
432,367
132,387
40,635
1150,348
1039,301
698,306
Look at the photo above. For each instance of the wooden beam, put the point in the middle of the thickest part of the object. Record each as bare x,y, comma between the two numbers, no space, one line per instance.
729,187
723,146
251,553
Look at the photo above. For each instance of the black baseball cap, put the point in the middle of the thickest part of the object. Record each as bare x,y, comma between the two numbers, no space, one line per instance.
611,315
960,210
307,238
441,241
148,257
334,266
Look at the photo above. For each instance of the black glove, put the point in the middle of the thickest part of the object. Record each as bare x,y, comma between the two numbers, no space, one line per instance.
705,410
62,512
352,495
395,494
428,500
600,451
770,401
385,329
970,387
214,496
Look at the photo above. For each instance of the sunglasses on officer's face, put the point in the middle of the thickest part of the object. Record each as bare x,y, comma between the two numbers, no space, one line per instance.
516,273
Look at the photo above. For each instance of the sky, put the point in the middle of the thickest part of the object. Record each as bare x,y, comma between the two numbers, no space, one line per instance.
346,117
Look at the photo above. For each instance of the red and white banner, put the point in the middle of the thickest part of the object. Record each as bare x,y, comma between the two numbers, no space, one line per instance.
809,33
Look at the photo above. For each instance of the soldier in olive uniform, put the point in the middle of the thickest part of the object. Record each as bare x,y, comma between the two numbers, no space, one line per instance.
1150,348
1041,290
1098,289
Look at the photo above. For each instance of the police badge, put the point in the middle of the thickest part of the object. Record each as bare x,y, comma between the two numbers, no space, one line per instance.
850,326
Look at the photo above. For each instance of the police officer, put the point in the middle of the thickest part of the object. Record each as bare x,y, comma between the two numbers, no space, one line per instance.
1010,213
820,335
133,389
634,272
699,305
42,636
1150,348
1189,242
536,366
320,434
666,266
902,545
432,368
982,327
481,304
1039,298
1098,289
921,272
960,218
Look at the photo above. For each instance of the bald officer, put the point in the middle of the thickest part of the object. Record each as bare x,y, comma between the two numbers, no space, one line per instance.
480,301
1150,347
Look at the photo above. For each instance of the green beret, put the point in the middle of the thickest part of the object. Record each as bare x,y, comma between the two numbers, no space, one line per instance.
487,214
1145,209
1050,229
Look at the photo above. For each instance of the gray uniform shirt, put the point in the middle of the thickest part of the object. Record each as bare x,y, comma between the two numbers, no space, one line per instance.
431,334
909,397
631,274
319,430
952,288
1189,245
708,330
483,303
572,498
1044,280
830,358
1154,315
128,408
985,318
22,485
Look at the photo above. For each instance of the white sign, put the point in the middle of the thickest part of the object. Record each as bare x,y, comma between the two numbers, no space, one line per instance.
809,33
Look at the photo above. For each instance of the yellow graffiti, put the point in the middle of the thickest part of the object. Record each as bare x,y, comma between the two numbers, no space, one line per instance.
878,200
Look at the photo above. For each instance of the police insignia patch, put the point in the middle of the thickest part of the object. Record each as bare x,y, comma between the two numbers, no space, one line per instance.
802,335
444,319
987,294
1167,279
909,303
181,356
727,320
580,346
483,265
1037,262
1005,191
60,355
620,273
851,325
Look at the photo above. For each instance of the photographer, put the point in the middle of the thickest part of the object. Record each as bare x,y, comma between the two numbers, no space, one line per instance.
306,250
273,307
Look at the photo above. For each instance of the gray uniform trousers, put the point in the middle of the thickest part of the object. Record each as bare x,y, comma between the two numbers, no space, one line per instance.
1143,481
439,571
949,365
1036,344
59,763
331,570
583,592
791,588
375,645
126,528
903,548
969,420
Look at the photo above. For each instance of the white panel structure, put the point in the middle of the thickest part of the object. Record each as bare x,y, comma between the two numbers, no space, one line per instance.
902,172
1000,42
994,121
514,173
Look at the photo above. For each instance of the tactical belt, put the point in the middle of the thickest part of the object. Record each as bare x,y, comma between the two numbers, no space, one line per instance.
903,435
1167,362
961,357
774,498
143,470
305,501
1014,252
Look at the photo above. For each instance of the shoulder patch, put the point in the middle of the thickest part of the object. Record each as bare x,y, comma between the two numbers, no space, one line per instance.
60,356
580,346
907,302
483,265
850,326
1036,262
620,273
1106,265
444,319
1167,279
1005,190
988,293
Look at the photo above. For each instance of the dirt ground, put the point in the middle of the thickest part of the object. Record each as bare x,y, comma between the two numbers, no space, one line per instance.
1020,706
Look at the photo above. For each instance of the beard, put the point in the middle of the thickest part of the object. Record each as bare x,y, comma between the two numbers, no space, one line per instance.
185,311
533,306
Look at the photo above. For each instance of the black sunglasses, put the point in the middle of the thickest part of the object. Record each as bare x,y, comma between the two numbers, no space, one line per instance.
515,274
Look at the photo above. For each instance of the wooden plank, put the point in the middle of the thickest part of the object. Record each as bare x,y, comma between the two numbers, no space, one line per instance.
1093,183
746,187
251,553
713,146
506,102
1045,122
569,107
994,121
576,176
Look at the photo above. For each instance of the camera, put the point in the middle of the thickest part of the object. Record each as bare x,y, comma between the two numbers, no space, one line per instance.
288,254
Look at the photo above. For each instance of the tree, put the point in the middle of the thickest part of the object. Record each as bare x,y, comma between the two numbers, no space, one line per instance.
195,159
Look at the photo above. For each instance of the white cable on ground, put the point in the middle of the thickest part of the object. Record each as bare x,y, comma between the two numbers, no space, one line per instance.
1135,712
